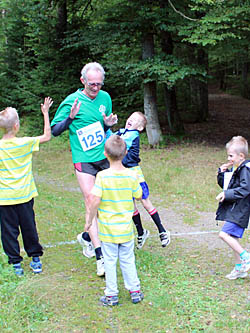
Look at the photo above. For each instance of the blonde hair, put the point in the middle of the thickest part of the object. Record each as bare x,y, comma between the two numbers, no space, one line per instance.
239,145
115,148
8,118
143,118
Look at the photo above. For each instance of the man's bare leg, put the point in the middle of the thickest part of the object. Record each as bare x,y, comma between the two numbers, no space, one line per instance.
86,183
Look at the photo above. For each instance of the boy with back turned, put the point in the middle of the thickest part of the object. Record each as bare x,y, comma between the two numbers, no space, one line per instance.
112,197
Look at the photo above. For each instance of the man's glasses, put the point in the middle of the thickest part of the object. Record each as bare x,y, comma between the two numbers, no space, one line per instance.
92,85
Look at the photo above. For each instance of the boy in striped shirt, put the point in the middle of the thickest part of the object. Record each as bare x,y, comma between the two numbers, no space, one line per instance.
113,199
18,189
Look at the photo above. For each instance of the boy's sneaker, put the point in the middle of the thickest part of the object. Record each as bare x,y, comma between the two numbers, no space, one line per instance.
245,265
18,269
165,238
36,265
236,274
87,247
109,300
142,239
136,296
100,271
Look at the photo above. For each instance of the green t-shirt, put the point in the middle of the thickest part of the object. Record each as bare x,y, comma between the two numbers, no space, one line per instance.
86,132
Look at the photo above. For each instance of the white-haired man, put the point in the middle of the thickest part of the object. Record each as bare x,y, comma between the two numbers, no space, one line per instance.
87,113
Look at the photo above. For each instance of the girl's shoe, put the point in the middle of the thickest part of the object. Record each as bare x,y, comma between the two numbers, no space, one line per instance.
236,274
246,265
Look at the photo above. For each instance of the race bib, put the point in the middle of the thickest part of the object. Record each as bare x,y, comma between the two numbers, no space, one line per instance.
91,136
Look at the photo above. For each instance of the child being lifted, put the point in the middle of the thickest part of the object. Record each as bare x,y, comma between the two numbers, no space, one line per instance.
131,135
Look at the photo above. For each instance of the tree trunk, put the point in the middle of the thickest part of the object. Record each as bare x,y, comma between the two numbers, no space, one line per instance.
203,87
199,86
150,100
61,26
174,120
244,83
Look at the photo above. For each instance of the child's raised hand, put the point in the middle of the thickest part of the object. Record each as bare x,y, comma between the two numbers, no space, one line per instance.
226,166
111,120
75,109
46,105
220,197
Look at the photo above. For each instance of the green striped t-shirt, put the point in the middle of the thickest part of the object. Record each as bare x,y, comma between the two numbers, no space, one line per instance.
116,190
16,180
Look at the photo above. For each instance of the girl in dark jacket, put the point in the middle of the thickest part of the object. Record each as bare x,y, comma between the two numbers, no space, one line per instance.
234,206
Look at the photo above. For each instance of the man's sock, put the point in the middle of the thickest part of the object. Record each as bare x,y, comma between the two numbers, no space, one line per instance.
98,253
86,237
156,218
137,222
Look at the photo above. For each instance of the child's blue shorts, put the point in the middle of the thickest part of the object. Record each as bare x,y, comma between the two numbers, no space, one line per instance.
233,229
145,190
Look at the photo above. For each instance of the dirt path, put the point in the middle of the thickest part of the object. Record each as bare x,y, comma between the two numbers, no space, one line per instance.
228,116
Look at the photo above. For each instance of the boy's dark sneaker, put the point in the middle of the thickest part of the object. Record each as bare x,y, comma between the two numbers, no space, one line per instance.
109,300
136,296
36,265
165,238
18,269
142,239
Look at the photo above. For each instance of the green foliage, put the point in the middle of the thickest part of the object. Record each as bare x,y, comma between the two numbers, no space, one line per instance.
43,46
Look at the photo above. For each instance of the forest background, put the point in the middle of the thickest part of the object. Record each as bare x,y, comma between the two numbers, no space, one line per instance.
159,56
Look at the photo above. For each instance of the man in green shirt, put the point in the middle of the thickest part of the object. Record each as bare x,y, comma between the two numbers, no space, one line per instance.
87,113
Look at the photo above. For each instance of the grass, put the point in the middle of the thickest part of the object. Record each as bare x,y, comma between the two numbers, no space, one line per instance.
184,285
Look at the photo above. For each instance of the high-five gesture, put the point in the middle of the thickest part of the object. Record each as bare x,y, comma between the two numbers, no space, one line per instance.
46,105
75,109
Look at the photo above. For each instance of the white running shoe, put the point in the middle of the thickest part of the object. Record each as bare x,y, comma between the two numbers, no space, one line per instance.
142,239
235,274
100,271
165,238
87,247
